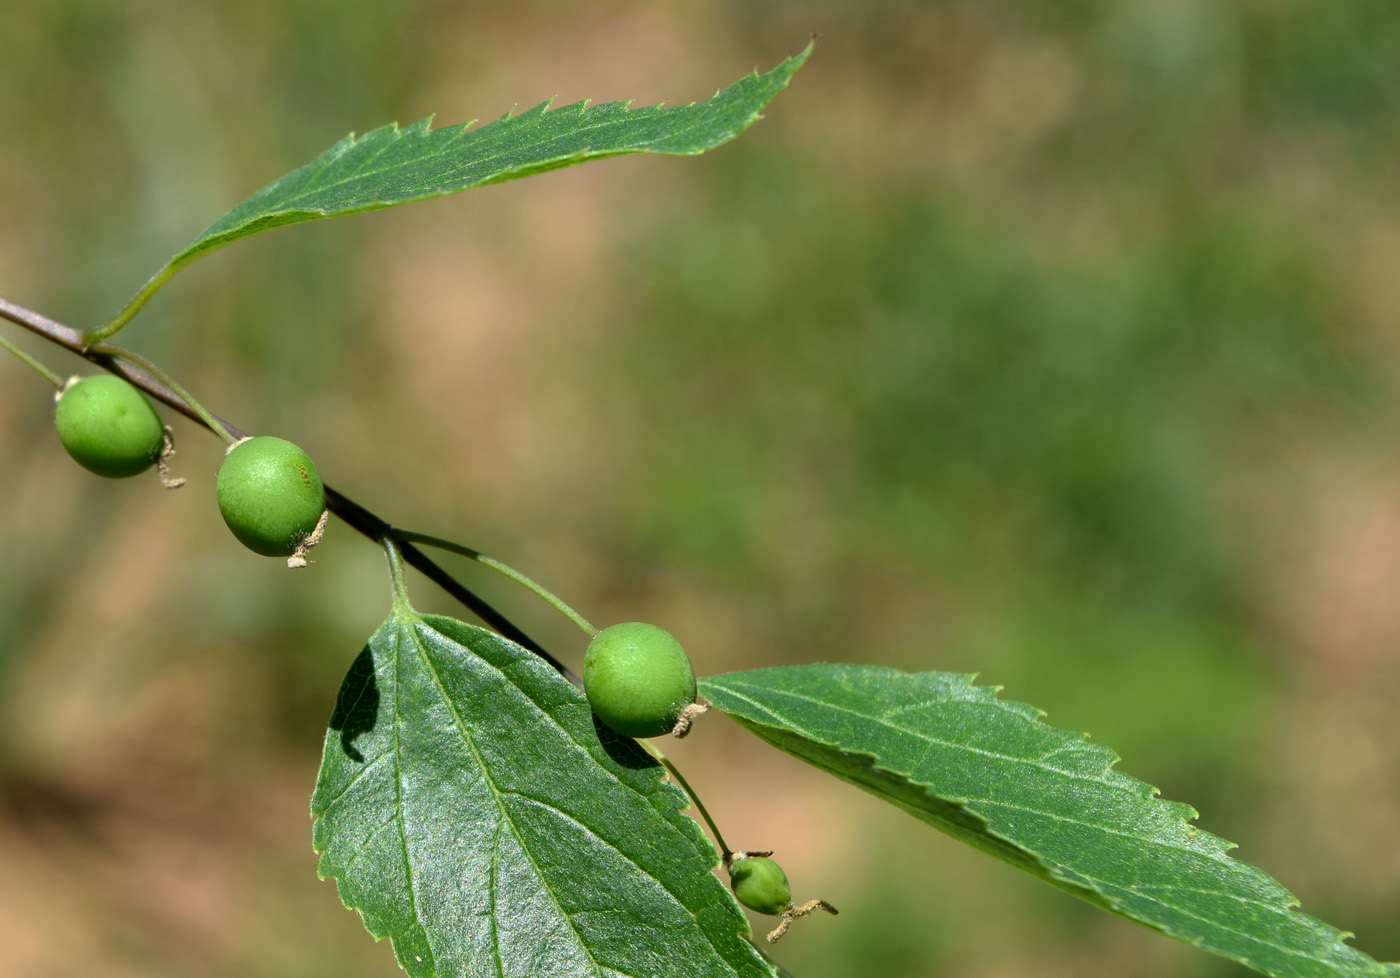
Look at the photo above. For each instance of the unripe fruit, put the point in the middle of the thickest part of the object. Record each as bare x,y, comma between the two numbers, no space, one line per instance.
638,679
109,427
270,495
760,884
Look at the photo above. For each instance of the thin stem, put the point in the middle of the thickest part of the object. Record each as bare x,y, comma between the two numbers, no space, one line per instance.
139,300
38,367
396,574
211,422
501,568
655,752
359,519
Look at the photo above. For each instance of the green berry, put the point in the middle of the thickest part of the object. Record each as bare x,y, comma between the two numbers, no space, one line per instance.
109,427
760,884
270,495
638,679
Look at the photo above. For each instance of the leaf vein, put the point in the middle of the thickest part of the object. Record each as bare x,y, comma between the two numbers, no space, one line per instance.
594,835
352,782
359,850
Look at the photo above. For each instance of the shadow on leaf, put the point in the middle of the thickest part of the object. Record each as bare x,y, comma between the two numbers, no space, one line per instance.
623,750
357,704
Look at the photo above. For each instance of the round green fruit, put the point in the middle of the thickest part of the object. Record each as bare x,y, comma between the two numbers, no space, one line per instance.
270,495
109,427
638,679
760,884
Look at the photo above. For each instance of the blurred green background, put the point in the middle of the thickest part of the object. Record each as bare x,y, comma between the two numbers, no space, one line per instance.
1055,341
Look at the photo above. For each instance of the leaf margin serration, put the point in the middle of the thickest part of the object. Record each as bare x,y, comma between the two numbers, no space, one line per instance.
1179,815
230,227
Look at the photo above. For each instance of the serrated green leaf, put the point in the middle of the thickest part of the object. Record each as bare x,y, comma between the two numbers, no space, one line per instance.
989,772
470,810
393,165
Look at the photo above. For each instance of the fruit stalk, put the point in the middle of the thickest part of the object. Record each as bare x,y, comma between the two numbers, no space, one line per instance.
558,604
724,850
210,422
38,367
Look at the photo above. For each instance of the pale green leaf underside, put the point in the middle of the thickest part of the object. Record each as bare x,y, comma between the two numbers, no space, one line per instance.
469,809
990,773
392,166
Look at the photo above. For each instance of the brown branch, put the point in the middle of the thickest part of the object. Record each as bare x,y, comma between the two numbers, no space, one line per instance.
352,513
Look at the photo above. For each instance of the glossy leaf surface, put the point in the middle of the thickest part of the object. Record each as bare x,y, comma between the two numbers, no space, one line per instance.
989,772
471,811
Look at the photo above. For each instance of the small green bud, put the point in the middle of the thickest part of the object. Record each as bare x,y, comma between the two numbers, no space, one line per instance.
271,496
638,679
108,426
760,884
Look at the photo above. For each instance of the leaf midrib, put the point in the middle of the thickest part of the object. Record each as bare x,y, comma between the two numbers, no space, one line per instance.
1038,763
796,727
388,144
1216,924
398,798
495,793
